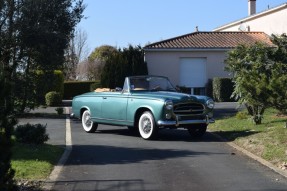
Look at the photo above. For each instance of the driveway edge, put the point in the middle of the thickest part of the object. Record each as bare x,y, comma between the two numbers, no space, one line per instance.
50,182
253,156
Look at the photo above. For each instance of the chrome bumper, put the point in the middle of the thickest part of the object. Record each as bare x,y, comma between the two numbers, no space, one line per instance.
177,122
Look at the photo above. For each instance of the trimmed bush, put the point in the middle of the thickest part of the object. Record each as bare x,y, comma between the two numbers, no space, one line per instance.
53,98
222,89
60,110
31,134
72,89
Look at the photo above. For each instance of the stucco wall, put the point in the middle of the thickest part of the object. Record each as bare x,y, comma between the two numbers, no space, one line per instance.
273,22
167,63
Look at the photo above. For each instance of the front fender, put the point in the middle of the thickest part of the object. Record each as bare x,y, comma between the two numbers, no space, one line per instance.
138,106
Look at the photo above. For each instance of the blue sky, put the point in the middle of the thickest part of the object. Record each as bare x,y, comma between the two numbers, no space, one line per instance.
139,22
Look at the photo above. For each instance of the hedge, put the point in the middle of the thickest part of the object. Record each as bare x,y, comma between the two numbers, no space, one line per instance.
47,82
74,88
222,89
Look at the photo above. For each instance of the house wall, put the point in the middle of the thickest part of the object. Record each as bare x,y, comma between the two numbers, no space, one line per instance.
167,63
270,22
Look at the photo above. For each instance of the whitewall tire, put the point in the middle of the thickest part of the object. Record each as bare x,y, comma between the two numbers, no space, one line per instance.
88,125
147,126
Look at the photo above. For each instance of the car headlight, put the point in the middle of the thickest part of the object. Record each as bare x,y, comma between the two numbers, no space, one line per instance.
168,105
210,104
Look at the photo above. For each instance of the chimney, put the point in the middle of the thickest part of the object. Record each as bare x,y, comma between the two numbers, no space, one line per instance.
251,7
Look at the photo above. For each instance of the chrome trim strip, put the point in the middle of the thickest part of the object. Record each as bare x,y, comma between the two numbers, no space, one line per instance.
106,119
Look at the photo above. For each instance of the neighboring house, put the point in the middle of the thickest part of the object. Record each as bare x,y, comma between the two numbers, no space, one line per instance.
271,21
190,60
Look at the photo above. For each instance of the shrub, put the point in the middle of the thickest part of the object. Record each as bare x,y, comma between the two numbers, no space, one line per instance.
31,134
222,89
59,110
53,98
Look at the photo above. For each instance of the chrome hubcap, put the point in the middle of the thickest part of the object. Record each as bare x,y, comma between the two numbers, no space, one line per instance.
146,125
87,121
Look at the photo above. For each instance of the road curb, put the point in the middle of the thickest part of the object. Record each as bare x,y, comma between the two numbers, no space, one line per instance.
253,156
50,182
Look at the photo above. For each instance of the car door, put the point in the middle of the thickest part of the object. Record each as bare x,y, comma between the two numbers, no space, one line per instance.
114,106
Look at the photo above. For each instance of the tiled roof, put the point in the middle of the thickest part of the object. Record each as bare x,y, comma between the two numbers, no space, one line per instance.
211,40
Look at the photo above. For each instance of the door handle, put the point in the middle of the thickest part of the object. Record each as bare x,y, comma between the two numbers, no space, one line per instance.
104,97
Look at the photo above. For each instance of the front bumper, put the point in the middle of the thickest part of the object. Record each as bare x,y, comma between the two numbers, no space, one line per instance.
177,122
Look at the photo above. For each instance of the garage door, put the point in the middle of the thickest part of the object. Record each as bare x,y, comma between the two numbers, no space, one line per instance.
193,72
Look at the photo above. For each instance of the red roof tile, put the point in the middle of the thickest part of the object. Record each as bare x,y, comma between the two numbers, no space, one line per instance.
212,40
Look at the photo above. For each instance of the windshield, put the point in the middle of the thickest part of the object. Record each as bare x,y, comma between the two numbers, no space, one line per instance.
150,83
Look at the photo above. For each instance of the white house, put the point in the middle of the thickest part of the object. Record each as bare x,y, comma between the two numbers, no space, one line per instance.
270,21
190,60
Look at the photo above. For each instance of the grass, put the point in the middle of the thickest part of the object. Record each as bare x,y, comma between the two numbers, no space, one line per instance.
267,140
34,162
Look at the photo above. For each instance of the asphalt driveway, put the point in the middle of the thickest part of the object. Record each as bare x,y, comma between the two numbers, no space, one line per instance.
114,158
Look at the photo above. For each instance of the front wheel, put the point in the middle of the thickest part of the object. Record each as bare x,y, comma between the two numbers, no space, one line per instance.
197,130
147,127
88,125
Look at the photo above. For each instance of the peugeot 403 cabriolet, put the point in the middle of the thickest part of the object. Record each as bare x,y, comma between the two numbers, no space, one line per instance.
145,104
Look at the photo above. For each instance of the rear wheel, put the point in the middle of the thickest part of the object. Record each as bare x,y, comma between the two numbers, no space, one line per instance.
197,130
88,125
147,127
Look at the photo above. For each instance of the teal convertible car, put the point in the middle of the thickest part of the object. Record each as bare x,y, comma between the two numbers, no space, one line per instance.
145,104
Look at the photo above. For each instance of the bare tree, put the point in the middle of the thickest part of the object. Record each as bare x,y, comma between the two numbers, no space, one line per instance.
90,69
77,52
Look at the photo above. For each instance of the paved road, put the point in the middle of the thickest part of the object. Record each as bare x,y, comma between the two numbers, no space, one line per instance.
113,158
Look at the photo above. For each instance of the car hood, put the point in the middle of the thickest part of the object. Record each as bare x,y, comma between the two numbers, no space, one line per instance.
174,96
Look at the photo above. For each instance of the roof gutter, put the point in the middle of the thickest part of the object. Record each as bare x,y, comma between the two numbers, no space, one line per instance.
186,49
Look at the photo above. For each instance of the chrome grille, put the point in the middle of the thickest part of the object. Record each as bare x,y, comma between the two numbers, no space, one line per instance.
188,109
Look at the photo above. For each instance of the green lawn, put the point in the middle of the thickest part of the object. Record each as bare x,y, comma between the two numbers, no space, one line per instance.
34,163
267,140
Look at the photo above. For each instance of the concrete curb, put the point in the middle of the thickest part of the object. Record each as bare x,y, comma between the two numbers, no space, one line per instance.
253,156
59,167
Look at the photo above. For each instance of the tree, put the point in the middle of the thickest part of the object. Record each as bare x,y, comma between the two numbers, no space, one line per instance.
76,52
126,62
33,37
250,67
278,79
91,68
260,76
102,53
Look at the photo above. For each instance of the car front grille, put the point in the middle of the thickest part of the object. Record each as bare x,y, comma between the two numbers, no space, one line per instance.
188,109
